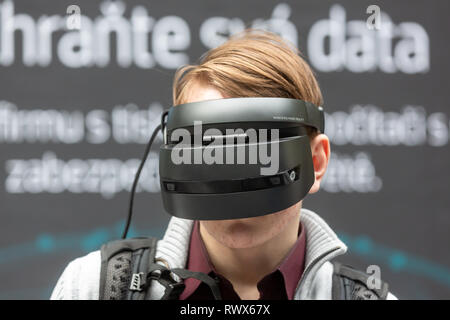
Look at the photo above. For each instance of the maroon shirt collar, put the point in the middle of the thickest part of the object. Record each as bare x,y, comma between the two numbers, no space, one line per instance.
291,268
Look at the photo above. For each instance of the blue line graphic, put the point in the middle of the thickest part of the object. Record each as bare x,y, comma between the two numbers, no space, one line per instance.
45,243
397,260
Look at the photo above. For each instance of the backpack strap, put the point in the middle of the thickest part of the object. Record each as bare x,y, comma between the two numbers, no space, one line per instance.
123,264
128,266
351,284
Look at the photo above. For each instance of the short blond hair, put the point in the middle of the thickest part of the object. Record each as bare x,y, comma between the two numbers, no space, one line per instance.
254,63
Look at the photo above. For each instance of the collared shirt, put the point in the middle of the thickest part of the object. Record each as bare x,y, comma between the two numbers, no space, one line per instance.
277,285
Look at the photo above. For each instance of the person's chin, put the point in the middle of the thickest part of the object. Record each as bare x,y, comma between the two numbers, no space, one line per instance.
241,235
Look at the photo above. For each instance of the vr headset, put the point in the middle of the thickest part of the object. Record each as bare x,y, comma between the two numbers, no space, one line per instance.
214,163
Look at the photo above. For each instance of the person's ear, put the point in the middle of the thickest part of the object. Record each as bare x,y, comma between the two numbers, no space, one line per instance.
320,149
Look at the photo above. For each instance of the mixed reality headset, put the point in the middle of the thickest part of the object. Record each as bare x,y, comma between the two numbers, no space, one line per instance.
234,158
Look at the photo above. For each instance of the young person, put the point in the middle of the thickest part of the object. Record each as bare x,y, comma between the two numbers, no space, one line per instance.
283,255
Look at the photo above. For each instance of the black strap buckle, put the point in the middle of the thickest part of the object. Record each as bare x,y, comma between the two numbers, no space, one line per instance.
173,288
163,275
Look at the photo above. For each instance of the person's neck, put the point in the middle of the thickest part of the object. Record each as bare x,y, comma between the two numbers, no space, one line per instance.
245,267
